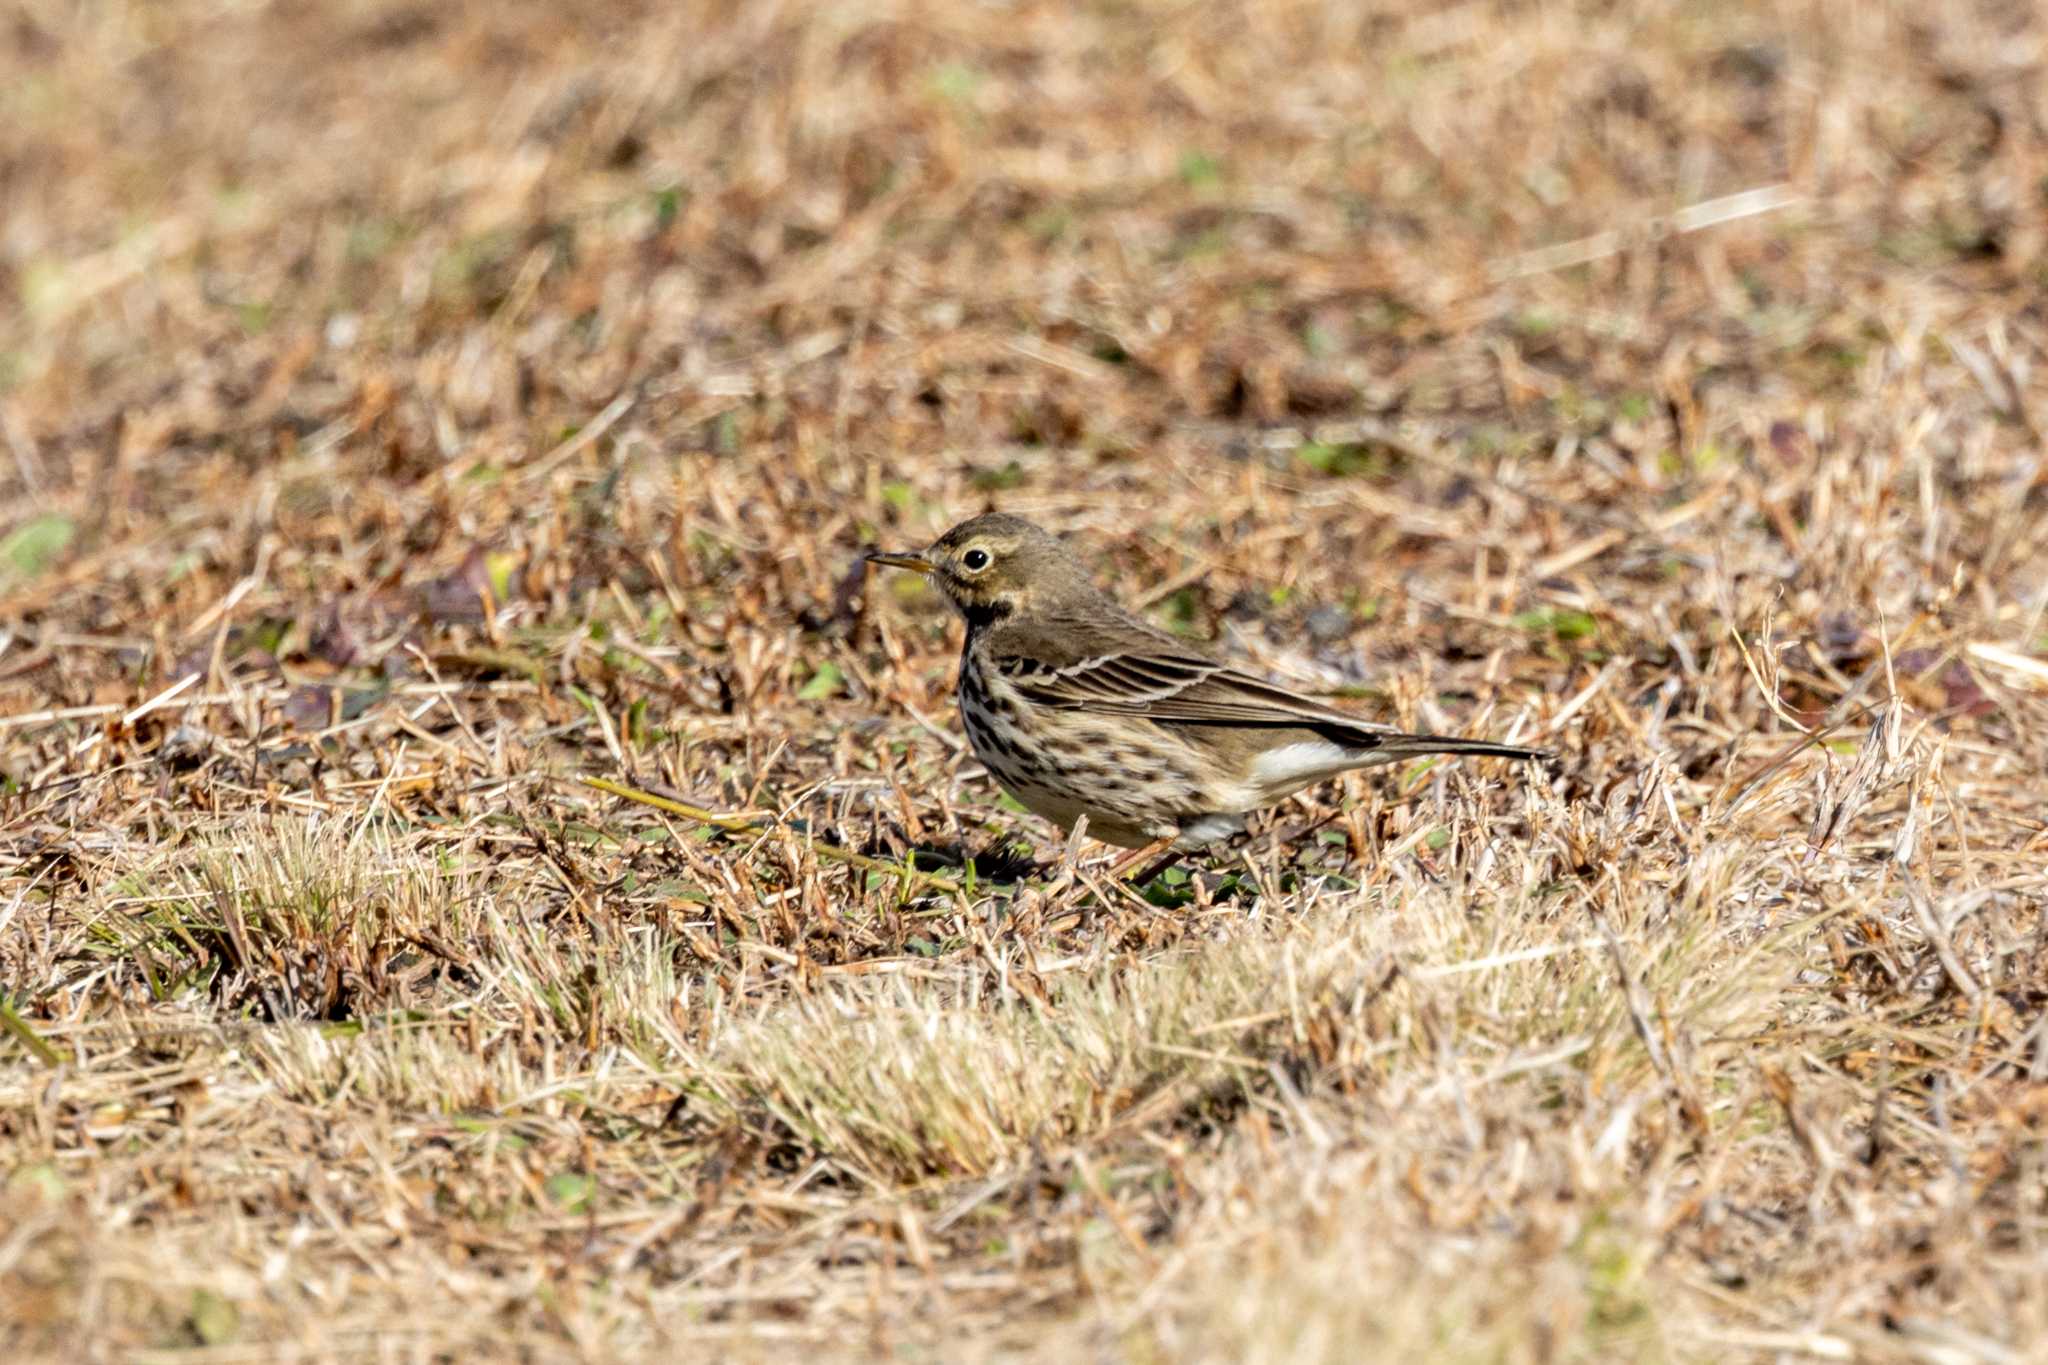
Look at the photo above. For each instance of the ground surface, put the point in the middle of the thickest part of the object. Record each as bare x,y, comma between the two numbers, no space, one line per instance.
407,411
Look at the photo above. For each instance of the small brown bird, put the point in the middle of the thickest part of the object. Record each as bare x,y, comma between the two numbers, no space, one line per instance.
1080,708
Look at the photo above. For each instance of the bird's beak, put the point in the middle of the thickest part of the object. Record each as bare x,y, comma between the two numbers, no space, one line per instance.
911,560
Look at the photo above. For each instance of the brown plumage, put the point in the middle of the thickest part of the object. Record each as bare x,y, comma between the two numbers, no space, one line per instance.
1080,708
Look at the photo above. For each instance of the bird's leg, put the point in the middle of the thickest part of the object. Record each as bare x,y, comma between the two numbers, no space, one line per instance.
1116,869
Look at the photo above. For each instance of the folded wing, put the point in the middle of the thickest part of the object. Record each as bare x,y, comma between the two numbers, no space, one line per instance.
1141,672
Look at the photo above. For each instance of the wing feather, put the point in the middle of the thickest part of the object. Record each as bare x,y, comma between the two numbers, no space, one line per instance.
1125,666
1173,687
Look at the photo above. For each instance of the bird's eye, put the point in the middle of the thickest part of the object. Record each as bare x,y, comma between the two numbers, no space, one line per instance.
974,561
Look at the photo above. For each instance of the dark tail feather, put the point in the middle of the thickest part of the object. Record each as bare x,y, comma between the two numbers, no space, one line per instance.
1450,744
1416,746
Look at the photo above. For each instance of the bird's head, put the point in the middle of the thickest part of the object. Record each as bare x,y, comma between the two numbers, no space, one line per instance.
996,565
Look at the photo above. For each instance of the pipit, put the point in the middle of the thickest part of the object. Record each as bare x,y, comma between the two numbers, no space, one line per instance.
1080,708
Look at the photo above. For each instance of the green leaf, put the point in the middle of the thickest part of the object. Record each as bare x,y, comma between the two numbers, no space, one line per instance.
32,546
827,681
499,566
267,634
43,1177
1562,622
1167,896
1574,625
1342,459
1011,475
1050,224
214,1320
1199,170
571,1190
954,82
1181,610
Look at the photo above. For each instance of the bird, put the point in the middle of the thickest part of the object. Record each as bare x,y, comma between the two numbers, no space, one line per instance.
1082,709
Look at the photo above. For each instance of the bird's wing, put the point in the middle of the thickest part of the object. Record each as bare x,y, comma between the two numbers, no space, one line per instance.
1130,669
1127,667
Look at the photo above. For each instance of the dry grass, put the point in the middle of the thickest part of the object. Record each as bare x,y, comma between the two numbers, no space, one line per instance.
406,412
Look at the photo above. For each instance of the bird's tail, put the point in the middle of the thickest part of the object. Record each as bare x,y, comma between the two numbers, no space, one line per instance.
1416,746
1287,768
1372,744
